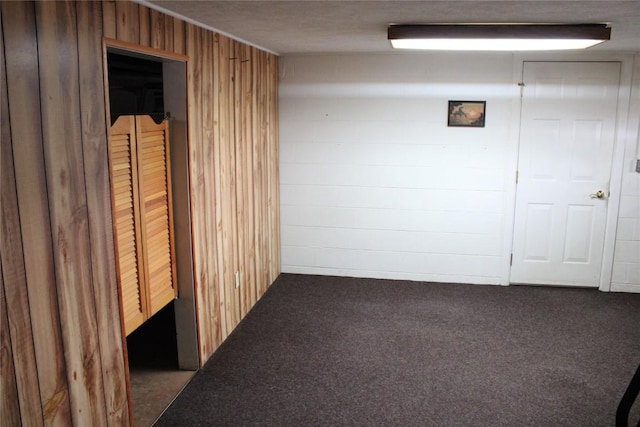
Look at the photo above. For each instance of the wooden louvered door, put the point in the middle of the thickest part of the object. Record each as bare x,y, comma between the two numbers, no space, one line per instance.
143,220
155,211
126,221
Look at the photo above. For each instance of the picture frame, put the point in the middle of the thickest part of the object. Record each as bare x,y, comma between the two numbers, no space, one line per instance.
466,114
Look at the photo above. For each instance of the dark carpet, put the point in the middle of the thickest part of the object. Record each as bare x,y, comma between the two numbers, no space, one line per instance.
329,351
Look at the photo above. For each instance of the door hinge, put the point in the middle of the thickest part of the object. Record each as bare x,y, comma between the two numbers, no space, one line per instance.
517,176
511,260
521,84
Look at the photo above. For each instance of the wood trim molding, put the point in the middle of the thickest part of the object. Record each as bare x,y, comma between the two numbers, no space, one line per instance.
144,50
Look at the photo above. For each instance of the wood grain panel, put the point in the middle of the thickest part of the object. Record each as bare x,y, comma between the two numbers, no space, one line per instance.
240,172
24,103
157,21
9,404
20,380
258,168
145,26
179,36
250,128
168,34
200,250
109,19
274,171
263,99
232,188
252,163
258,164
244,164
95,153
19,322
62,136
227,179
267,171
209,141
127,22
221,62
217,167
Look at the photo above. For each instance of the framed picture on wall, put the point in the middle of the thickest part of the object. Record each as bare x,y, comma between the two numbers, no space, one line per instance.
466,113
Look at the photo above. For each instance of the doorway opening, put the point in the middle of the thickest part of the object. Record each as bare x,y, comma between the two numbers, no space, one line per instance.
161,349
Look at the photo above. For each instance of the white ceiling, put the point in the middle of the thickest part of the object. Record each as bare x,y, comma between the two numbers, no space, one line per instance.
327,26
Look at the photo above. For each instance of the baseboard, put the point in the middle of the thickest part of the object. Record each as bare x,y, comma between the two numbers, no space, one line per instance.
625,287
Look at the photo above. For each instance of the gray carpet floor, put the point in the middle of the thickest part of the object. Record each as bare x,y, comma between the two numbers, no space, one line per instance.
329,351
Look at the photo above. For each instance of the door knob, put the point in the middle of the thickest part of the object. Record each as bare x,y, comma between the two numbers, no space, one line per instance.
597,195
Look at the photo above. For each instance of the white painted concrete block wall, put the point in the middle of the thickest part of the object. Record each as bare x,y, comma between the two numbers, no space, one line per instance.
374,183
626,266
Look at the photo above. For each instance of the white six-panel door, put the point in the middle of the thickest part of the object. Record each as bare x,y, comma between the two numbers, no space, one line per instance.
566,148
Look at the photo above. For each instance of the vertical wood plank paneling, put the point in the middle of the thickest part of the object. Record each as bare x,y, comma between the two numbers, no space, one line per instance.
194,98
62,137
233,181
220,98
205,197
207,162
227,179
9,404
19,372
94,144
260,143
226,168
251,105
256,168
257,171
157,21
179,37
167,33
239,154
209,157
274,172
24,102
274,244
264,179
217,153
269,167
19,323
109,19
127,21
216,242
145,26
249,117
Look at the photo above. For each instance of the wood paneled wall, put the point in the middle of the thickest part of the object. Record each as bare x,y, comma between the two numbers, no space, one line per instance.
61,347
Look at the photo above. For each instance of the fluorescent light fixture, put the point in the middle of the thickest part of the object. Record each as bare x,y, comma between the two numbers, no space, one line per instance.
497,37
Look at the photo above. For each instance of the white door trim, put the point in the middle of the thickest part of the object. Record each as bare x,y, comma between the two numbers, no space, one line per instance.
623,138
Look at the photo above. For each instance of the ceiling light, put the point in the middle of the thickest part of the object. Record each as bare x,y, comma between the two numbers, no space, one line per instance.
500,37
